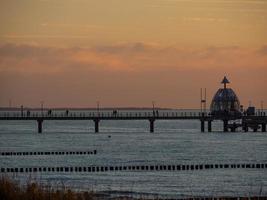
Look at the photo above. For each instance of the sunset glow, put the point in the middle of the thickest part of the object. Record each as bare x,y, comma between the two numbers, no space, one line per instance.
73,53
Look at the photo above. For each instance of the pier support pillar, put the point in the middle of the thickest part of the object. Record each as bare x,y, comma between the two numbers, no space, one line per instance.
96,125
202,126
225,125
40,125
151,122
209,126
263,127
245,127
233,127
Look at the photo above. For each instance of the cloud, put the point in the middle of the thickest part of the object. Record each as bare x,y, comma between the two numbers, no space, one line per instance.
127,47
14,36
263,50
220,1
127,57
127,74
241,6
205,19
76,26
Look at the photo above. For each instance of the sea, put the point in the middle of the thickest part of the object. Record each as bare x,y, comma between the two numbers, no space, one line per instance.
129,142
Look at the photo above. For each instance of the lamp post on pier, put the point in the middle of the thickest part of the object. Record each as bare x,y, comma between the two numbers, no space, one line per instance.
97,107
42,107
153,108
10,103
21,110
203,101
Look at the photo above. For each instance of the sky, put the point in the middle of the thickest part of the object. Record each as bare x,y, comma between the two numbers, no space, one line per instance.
128,53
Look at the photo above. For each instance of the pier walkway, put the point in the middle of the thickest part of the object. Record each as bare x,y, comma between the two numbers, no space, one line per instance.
253,122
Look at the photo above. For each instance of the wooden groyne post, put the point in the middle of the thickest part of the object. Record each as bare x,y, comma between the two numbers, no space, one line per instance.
40,125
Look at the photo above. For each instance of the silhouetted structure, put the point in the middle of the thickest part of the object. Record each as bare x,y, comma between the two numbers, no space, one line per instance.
225,101
225,106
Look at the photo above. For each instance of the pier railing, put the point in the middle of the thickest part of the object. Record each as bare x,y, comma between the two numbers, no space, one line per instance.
104,114
109,114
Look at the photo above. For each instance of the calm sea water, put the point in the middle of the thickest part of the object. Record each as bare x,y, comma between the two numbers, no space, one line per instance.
129,142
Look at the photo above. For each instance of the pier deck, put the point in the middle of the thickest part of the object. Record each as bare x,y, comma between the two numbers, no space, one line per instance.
253,122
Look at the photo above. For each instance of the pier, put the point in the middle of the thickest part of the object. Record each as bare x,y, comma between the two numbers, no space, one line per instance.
225,106
246,122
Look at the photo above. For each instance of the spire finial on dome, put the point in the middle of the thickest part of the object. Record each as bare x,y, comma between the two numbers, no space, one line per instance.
225,81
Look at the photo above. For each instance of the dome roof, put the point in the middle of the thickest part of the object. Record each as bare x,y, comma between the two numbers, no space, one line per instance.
225,101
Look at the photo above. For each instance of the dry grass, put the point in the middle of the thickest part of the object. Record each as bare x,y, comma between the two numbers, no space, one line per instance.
10,190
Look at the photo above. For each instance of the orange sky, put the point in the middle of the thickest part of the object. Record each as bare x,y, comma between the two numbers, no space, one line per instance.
74,53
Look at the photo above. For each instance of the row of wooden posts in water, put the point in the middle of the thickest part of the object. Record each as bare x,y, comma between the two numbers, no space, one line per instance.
134,168
48,153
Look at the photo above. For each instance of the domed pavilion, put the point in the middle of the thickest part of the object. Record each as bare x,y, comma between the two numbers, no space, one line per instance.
225,101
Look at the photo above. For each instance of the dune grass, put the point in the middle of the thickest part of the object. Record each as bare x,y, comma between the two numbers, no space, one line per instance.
10,190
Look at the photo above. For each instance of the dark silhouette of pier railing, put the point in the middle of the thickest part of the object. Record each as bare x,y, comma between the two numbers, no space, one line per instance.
104,114
253,122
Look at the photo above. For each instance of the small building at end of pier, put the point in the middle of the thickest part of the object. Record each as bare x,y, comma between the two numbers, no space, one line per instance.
225,101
